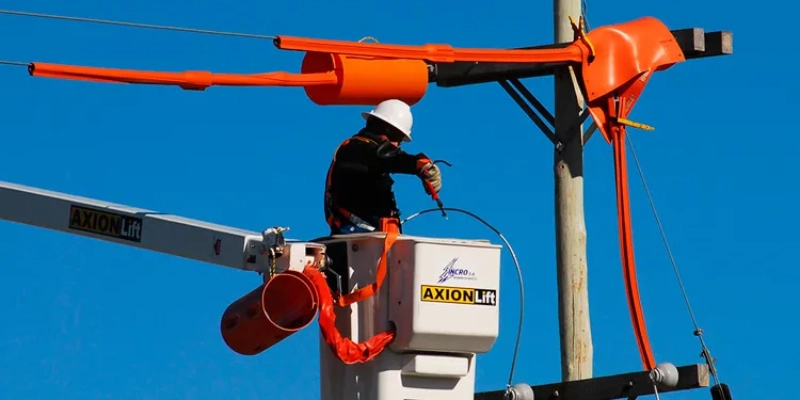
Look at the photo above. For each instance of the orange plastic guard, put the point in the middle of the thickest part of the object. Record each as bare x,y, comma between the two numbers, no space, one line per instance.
624,52
365,80
189,80
441,53
260,319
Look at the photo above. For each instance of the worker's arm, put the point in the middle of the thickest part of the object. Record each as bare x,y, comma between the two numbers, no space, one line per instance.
392,159
368,157
396,161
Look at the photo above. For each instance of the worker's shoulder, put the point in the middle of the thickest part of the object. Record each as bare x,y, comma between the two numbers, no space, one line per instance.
359,140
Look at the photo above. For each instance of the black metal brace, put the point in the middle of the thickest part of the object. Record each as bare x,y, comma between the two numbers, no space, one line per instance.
520,94
531,114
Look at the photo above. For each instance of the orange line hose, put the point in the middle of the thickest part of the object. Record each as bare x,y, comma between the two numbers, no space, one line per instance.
626,248
189,80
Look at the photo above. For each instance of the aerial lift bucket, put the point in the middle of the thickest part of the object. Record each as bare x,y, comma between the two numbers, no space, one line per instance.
285,304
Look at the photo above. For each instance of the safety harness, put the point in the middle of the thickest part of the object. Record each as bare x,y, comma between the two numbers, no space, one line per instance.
335,215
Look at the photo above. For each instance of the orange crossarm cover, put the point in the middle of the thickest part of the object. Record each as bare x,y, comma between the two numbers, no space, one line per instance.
189,80
441,53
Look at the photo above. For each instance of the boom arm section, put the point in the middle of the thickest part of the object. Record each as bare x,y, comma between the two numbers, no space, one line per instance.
162,233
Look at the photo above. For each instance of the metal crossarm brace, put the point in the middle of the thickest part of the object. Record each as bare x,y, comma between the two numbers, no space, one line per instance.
622,386
520,94
531,114
534,101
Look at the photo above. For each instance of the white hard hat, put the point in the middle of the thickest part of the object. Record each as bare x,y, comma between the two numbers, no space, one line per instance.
396,113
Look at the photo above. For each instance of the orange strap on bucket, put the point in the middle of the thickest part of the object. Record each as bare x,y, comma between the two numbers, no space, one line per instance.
345,349
391,228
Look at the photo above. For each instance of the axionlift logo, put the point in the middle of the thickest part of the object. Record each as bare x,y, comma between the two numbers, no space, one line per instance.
450,272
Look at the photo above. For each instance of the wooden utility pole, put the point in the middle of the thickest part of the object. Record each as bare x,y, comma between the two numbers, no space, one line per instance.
573,295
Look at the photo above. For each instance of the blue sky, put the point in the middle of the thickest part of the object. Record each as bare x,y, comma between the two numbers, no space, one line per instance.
85,319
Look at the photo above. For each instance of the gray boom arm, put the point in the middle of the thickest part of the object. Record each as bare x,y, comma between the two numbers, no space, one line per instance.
149,230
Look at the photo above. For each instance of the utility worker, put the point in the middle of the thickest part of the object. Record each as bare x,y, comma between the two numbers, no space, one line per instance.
358,189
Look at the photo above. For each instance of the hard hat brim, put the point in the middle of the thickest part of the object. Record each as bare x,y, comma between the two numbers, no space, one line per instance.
366,116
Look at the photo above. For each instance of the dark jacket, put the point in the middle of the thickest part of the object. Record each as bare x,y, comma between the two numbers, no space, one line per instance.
359,181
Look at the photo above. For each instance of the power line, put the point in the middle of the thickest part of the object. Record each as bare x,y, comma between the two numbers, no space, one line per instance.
14,63
697,330
137,25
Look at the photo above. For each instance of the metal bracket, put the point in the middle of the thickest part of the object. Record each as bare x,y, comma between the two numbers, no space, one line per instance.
273,241
339,289
589,132
271,246
520,94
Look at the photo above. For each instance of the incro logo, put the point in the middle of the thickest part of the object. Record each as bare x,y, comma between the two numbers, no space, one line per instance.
449,272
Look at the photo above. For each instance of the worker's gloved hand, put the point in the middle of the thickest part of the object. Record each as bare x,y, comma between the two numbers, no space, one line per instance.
430,173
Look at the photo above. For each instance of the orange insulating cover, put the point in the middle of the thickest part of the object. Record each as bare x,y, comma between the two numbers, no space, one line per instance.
189,80
439,53
365,80
624,51
260,319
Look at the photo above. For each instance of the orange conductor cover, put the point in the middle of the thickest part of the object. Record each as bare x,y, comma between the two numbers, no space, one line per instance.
189,80
260,319
329,79
366,80
441,53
